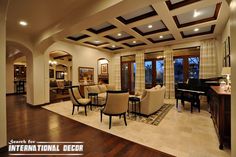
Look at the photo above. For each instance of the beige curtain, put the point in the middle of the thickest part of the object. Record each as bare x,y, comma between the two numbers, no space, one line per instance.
140,72
117,73
169,74
208,60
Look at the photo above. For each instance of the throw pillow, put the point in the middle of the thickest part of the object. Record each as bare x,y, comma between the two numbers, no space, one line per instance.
93,89
110,87
102,88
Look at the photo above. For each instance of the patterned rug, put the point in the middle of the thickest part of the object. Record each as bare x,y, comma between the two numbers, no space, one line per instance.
154,119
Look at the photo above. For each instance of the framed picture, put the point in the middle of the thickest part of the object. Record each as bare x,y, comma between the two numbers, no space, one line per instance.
51,73
86,74
60,75
104,68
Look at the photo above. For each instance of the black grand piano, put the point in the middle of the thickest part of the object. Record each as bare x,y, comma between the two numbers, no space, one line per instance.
191,91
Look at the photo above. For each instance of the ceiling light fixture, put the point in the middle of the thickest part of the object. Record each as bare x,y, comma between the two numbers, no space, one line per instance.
134,42
196,13
149,26
196,30
97,41
161,36
23,23
113,46
119,34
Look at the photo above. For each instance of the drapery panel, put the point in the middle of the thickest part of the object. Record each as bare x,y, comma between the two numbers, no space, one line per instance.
208,60
117,73
140,72
169,74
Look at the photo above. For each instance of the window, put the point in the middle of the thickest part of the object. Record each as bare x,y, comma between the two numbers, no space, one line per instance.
178,68
154,72
159,71
148,73
186,67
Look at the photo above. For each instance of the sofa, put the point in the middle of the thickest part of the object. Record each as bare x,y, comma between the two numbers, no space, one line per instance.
151,100
101,90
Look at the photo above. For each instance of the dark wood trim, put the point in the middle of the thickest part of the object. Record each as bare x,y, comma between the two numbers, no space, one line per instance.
120,39
113,49
180,4
198,34
58,57
90,43
4,149
184,48
144,16
101,30
139,44
78,38
218,5
159,41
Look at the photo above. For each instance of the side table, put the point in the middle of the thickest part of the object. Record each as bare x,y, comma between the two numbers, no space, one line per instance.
135,101
94,99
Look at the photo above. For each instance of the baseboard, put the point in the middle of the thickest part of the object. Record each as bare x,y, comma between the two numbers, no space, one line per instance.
4,149
39,105
8,94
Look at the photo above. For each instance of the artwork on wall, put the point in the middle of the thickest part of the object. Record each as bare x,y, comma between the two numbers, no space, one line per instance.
51,73
226,60
86,74
59,75
104,68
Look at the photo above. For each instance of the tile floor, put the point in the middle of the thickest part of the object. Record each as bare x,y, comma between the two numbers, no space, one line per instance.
180,133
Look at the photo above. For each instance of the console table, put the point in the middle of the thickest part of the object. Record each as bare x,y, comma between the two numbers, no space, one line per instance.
220,108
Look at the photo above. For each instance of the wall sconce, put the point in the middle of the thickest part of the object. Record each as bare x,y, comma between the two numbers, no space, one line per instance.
51,63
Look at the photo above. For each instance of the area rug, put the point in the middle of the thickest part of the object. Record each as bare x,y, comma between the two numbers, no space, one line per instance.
153,119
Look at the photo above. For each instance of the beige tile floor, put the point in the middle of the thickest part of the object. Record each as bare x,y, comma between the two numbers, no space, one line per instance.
180,133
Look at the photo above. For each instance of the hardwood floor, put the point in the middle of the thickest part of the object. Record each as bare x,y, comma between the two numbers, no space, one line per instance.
35,123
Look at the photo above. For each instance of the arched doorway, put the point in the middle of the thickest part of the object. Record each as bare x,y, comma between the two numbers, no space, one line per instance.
60,75
19,70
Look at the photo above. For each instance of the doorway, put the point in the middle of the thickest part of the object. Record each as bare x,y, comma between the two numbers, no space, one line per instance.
128,72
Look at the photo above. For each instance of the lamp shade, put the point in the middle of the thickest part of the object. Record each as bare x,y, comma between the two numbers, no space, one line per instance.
226,71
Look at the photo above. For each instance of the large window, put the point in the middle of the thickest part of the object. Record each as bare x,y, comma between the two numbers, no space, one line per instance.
154,72
186,67
159,71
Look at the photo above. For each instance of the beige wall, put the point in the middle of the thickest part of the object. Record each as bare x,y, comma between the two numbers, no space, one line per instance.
81,57
233,77
3,126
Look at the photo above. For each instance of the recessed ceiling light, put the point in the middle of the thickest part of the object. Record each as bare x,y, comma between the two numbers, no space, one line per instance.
119,34
196,13
97,41
113,46
134,42
23,23
161,36
196,29
149,26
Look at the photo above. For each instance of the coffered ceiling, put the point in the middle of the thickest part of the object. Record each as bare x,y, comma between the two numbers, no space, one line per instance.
155,25
119,25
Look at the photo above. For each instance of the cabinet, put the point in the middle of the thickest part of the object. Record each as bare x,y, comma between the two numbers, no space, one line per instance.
220,108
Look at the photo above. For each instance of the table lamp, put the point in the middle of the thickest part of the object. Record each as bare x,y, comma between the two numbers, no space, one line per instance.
226,71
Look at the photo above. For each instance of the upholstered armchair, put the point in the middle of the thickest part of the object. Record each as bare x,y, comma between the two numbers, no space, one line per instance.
116,105
77,99
152,100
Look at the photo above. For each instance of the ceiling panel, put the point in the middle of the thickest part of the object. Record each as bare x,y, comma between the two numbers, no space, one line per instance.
113,47
119,36
151,28
161,38
96,42
134,43
78,37
176,1
198,31
102,28
137,15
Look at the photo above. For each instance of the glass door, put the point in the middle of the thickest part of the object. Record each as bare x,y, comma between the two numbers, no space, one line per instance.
128,71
